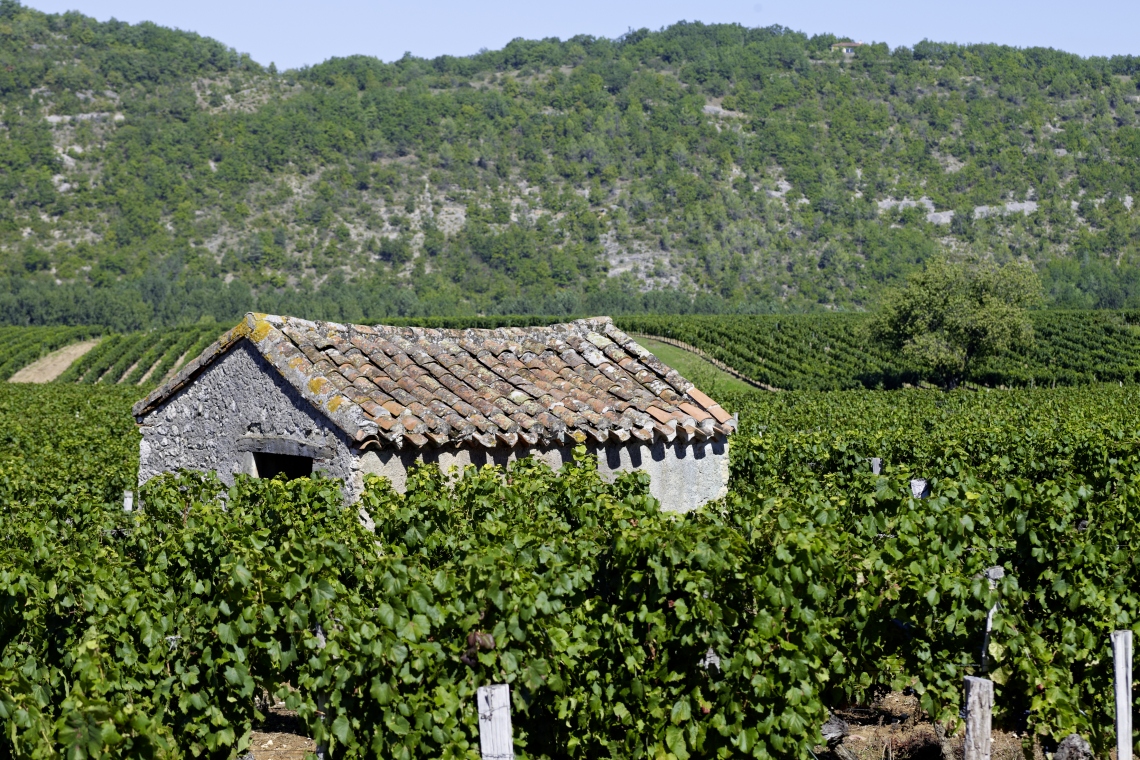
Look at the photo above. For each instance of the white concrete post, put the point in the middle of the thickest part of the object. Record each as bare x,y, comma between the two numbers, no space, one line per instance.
128,501
1122,656
322,750
496,739
994,574
979,714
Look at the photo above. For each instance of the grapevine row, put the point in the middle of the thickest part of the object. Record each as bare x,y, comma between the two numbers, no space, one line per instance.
833,352
791,352
815,583
24,345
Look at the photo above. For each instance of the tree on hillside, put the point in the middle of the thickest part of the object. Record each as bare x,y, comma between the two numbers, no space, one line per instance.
953,314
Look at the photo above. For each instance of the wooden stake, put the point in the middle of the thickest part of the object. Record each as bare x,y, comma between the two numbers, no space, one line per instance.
496,739
1122,655
979,713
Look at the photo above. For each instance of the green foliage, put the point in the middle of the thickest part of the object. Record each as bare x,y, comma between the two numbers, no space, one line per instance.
953,314
815,582
595,606
25,345
1038,482
832,351
749,170
59,443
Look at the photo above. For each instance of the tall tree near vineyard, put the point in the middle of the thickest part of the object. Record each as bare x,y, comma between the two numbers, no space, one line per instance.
953,314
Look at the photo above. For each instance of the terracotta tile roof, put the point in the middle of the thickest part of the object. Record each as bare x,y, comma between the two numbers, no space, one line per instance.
584,381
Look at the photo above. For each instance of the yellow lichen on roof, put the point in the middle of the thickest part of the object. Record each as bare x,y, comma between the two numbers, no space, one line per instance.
577,382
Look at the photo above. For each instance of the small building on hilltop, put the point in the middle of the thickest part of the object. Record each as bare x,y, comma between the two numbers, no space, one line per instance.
279,395
847,47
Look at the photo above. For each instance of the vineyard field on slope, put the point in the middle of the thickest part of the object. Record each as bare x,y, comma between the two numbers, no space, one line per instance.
786,352
21,346
132,359
832,351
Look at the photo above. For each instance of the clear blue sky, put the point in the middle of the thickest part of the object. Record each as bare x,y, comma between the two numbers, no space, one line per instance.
292,33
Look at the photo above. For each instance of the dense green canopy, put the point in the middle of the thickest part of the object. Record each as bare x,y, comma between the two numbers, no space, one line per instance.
953,315
157,176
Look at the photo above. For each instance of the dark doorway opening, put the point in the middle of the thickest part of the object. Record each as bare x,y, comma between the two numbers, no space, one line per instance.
292,467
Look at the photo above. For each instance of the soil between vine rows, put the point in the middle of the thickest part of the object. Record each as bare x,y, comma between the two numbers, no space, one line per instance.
893,727
280,737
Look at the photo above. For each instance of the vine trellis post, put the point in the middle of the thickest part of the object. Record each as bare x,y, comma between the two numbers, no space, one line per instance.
979,717
1122,659
496,739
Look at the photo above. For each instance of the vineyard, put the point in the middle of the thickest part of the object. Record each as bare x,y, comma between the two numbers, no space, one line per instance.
623,631
788,352
23,345
832,351
132,358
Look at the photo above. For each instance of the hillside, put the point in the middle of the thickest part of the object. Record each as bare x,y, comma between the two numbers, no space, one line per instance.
156,177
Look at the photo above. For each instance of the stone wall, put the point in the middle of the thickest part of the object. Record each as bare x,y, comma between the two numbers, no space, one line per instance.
238,395
682,476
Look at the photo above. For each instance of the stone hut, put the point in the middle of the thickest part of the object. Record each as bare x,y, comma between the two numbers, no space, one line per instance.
279,395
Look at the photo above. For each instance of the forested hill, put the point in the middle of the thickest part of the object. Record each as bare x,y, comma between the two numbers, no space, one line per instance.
155,176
